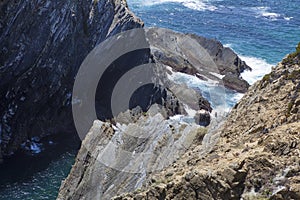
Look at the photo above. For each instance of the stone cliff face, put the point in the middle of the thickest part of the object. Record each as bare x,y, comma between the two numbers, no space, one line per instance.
117,159
257,154
43,44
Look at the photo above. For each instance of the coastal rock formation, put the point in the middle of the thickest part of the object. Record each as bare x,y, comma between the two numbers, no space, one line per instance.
116,159
257,155
195,55
120,156
43,43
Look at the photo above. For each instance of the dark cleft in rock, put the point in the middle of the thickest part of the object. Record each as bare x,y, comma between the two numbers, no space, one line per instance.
43,43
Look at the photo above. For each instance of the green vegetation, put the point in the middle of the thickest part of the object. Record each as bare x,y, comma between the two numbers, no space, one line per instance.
294,57
289,108
266,77
290,105
294,75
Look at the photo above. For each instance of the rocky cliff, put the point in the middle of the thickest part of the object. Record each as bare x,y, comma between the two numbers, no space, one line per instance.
118,157
257,155
43,43
254,155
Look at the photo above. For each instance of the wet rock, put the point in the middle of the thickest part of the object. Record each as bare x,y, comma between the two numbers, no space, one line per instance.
202,118
196,55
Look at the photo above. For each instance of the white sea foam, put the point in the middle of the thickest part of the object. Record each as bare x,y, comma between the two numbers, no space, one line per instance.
227,45
288,18
259,68
267,14
35,148
222,99
192,4
215,93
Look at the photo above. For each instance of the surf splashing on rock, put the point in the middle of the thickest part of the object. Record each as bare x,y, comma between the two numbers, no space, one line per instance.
259,66
209,89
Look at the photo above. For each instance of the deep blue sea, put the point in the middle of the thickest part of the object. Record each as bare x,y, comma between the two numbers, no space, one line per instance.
262,32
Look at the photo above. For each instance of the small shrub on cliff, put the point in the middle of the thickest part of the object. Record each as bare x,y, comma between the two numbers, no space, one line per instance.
294,75
294,57
298,48
266,77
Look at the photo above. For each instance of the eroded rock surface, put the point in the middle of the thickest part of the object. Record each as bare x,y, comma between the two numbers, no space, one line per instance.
43,44
116,159
257,155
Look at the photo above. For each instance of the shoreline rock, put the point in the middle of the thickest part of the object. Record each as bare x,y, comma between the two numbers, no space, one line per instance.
199,56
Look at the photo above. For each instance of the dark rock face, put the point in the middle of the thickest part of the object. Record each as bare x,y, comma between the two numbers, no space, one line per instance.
43,44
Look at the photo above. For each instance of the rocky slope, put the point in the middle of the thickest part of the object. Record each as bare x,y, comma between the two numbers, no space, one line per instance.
117,159
257,155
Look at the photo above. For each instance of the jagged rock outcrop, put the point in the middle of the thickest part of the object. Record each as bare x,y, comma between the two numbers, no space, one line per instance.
200,56
257,155
43,43
116,159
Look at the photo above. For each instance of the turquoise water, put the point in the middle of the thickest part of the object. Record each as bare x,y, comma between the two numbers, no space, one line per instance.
261,31
30,175
42,184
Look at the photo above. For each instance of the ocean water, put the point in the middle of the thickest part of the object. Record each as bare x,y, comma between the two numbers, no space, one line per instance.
262,32
37,174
